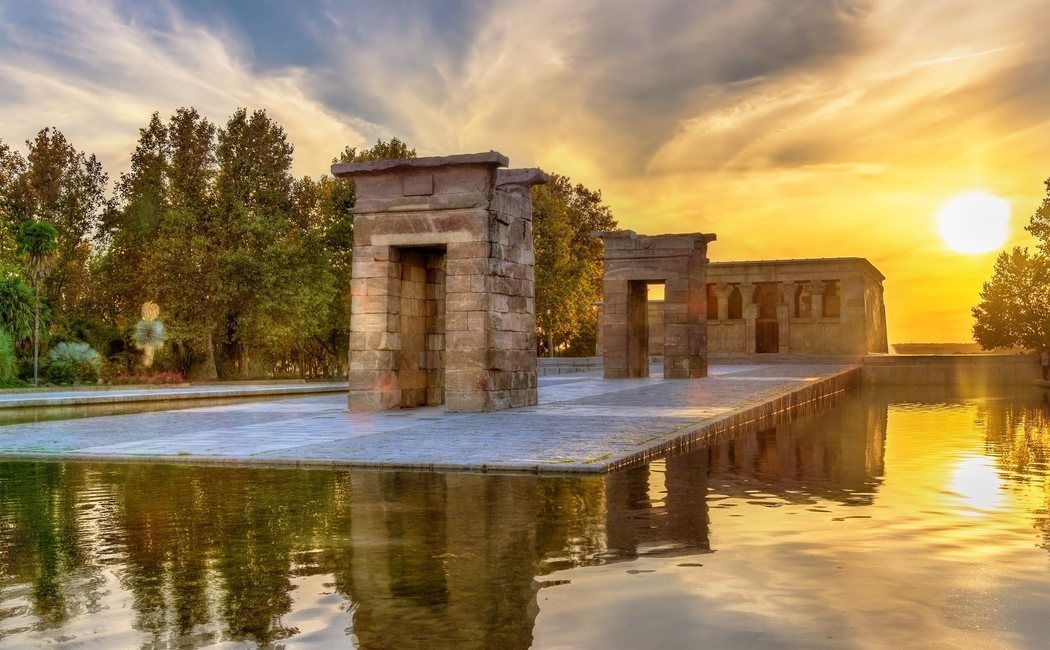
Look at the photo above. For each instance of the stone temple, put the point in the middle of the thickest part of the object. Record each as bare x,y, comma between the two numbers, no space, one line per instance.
830,306
442,288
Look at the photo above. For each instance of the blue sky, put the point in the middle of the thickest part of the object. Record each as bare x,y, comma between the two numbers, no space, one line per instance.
792,128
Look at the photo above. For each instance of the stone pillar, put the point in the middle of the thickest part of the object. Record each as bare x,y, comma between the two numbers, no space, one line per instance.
631,262
784,318
722,291
637,329
598,333
470,326
816,298
750,314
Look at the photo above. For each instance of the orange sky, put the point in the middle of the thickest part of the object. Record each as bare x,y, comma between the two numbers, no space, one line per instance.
794,129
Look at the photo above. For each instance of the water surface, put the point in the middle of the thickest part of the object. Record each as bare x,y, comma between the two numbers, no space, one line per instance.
896,518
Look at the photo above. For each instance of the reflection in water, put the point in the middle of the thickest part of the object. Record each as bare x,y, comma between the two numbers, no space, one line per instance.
805,534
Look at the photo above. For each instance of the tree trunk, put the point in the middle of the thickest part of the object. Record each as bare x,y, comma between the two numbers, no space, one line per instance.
210,370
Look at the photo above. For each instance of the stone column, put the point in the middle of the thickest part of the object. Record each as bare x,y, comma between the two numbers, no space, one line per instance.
598,330
614,329
722,291
750,312
376,306
784,318
816,298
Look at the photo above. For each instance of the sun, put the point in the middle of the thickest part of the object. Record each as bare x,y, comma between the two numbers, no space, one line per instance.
974,223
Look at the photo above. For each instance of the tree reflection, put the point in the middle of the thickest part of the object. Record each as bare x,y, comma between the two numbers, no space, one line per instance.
1017,435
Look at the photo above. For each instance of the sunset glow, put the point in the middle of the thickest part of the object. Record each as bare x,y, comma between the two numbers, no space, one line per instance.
791,129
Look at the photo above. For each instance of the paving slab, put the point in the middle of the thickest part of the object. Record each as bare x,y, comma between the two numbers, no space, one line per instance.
583,423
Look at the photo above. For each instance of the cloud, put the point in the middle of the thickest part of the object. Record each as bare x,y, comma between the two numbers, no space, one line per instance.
97,74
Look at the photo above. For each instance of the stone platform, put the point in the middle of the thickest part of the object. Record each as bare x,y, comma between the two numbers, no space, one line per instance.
583,423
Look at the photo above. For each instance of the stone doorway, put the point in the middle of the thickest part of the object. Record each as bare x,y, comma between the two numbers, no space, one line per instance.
767,328
767,336
422,310
638,326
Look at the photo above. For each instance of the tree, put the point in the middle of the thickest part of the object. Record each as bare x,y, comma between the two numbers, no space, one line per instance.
65,188
37,245
16,307
1014,310
393,149
568,262
14,203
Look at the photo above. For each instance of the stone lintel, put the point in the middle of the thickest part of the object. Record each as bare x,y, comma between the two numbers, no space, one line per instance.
490,158
621,244
522,177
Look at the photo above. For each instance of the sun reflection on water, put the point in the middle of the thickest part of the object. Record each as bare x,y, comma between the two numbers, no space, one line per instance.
977,484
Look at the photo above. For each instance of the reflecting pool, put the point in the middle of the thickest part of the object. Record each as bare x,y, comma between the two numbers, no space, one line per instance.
895,518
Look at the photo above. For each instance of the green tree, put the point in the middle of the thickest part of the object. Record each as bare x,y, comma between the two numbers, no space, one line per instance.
1014,310
65,188
568,263
275,284
16,307
14,199
392,149
127,231
184,270
158,241
37,245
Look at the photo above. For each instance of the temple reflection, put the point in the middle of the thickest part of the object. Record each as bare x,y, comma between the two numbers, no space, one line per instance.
203,555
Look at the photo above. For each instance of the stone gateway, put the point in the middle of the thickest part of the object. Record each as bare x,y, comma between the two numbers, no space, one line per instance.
442,289
632,263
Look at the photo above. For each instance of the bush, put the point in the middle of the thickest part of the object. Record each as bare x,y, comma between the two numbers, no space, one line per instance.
8,362
79,357
61,372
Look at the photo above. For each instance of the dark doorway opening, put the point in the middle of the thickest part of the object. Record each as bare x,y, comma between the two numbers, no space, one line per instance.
767,336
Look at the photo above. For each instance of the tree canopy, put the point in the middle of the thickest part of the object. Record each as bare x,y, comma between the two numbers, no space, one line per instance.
1014,310
568,263
249,264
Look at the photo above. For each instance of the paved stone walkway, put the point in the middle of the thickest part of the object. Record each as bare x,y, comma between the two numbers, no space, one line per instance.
583,423
118,395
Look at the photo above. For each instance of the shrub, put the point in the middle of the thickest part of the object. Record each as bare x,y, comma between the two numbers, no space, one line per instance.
80,357
61,372
8,362
16,307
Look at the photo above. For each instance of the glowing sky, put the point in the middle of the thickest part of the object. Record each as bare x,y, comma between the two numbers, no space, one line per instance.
790,128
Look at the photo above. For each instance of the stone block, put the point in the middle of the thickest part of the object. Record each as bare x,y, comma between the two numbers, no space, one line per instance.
467,340
460,302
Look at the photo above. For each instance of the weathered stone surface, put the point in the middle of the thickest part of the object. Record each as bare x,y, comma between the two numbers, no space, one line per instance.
817,306
353,170
442,296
